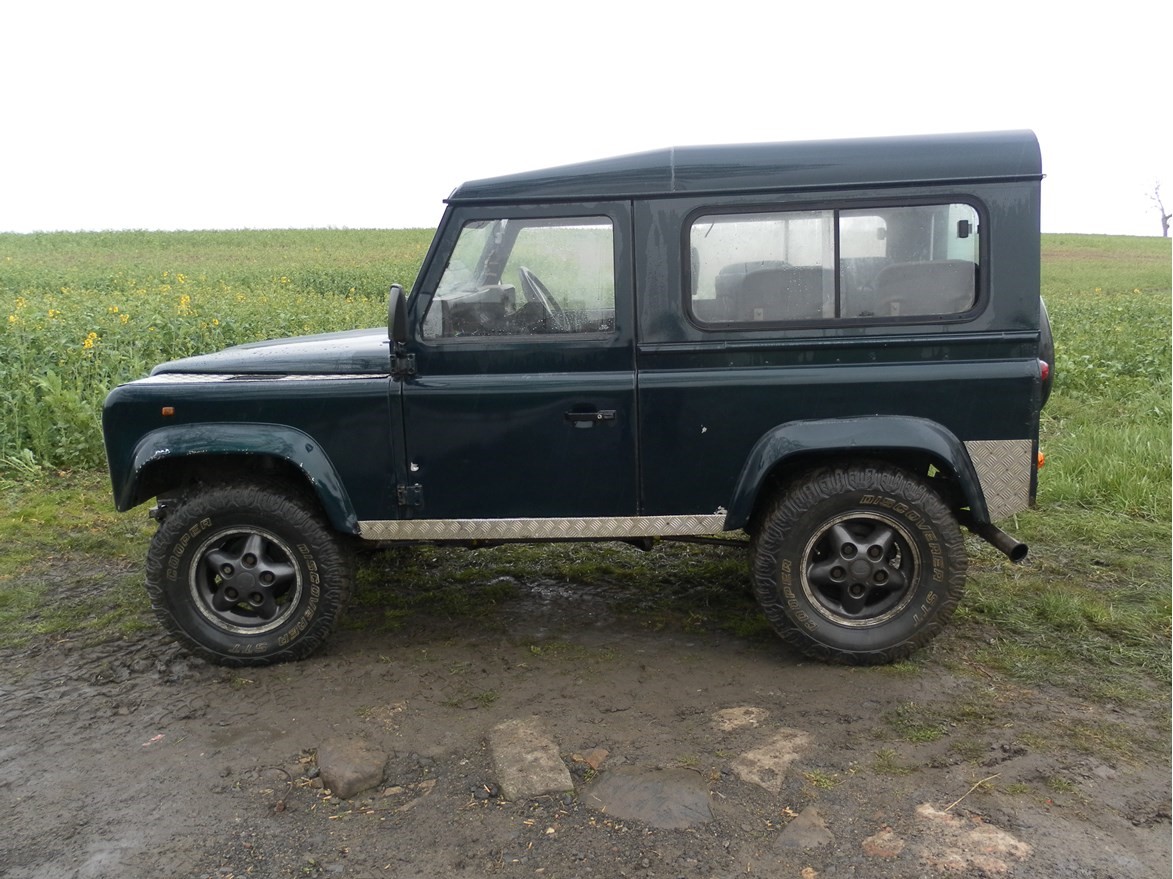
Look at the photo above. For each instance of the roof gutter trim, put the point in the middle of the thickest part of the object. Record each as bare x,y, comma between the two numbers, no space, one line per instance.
675,192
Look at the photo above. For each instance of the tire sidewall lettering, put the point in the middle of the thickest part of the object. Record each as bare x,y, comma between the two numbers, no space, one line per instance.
175,560
323,567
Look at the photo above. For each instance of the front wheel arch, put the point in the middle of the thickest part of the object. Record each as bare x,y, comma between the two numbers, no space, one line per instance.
173,459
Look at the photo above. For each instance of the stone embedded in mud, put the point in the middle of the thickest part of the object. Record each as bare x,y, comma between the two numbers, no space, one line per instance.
952,843
527,761
766,766
593,758
808,830
350,766
670,799
885,844
730,719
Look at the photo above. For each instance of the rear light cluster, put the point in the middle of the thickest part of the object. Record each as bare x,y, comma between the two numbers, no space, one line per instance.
1044,374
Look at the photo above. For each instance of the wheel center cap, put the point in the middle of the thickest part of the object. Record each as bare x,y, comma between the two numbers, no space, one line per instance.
860,569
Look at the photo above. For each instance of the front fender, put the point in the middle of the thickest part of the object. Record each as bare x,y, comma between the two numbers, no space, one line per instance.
855,437
237,438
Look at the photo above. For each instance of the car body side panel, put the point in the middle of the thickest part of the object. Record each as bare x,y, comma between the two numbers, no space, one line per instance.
709,394
336,430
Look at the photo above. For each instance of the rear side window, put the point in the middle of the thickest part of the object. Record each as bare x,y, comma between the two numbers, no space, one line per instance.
826,265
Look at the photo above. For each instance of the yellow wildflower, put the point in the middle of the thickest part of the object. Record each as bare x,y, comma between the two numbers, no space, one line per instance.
12,318
113,309
125,318
88,341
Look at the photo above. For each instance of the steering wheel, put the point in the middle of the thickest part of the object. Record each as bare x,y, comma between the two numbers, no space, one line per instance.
535,291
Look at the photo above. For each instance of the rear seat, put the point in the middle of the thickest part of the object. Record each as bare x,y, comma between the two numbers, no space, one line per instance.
940,287
775,293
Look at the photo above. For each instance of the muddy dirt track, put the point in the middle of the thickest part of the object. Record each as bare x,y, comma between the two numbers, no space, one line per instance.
132,759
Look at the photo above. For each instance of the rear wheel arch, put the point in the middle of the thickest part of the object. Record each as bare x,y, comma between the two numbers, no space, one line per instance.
919,447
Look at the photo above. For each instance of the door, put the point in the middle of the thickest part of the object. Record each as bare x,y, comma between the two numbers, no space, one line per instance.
522,404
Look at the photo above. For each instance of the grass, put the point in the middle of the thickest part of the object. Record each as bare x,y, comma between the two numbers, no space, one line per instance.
83,312
71,566
1089,612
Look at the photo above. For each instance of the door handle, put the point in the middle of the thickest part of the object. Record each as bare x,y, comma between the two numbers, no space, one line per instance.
588,419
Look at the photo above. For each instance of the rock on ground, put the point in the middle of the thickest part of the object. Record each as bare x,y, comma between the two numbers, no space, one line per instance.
808,830
350,766
526,760
671,799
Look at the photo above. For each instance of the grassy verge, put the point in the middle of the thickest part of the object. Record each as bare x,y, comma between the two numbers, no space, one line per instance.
71,567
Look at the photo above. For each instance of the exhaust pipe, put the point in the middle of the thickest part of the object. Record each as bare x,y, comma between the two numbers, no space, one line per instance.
1015,550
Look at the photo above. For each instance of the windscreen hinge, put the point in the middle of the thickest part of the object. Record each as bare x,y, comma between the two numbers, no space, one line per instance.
402,364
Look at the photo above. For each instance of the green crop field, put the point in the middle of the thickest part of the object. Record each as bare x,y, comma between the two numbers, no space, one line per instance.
82,312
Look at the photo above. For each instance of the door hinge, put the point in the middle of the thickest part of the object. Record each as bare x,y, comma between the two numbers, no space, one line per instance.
410,495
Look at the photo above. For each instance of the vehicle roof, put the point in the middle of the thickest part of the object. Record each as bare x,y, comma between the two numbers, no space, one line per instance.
765,167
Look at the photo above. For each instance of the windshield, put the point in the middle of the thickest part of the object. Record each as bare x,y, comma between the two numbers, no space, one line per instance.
525,276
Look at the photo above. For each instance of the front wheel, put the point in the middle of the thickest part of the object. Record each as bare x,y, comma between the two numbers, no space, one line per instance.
247,575
858,564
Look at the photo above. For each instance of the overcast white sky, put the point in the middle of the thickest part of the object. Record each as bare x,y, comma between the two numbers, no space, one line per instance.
217,115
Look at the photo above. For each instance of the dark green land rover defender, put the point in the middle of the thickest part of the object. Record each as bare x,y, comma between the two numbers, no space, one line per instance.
836,348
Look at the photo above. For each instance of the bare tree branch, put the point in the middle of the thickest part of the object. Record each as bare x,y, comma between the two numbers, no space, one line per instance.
1165,215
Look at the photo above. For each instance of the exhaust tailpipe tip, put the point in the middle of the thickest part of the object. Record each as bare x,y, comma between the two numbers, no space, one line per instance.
1015,550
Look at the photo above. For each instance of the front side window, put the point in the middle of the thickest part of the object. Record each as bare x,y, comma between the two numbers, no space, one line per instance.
520,277
898,261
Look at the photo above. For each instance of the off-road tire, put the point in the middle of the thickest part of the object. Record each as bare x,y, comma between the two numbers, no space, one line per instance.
266,545
858,564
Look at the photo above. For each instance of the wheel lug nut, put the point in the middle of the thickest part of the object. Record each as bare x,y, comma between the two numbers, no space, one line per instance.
881,577
267,578
848,551
837,573
257,599
249,560
226,570
231,594
874,553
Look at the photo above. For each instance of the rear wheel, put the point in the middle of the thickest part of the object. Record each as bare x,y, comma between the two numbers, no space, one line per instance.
858,564
248,574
